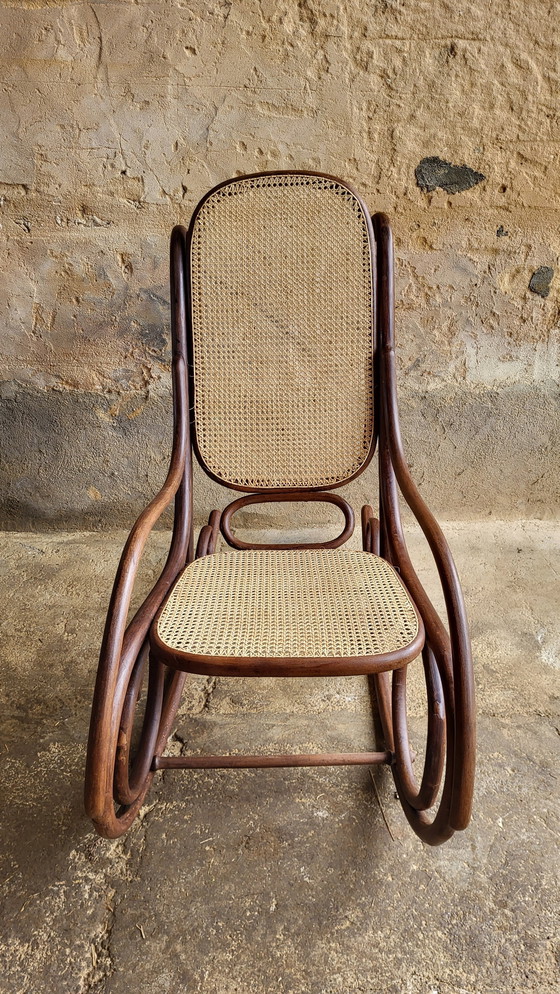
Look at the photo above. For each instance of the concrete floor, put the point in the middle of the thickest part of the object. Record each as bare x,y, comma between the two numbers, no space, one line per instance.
288,881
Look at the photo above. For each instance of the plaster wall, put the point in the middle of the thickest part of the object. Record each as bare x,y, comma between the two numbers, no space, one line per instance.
117,117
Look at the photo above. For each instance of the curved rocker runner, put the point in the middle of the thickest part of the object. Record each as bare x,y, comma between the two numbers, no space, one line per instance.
284,386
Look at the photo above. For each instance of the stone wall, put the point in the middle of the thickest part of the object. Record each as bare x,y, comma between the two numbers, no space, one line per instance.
117,117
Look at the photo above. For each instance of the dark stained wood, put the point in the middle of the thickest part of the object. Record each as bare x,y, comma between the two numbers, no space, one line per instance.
436,804
292,496
122,643
208,535
270,762
371,531
424,796
284,666
450,655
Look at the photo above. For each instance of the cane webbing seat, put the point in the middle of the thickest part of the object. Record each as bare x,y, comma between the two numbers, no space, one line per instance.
281,282
287,604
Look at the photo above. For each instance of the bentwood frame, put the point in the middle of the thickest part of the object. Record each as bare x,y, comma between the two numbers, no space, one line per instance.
117,782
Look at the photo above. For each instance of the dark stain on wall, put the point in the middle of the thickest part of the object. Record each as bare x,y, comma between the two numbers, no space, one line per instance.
70,460
540,281
433,172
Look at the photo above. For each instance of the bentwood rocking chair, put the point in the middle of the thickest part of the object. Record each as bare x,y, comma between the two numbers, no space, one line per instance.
282,328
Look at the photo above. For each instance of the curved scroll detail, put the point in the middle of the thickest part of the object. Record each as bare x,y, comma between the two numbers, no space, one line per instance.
424,796
294,496
450,752
130,776
208,535
124,648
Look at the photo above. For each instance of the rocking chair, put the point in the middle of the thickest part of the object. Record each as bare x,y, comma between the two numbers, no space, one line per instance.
282,330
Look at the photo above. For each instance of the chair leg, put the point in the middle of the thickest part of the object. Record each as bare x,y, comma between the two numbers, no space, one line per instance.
423,796
118,780
380,683
390,690
119,776
417,798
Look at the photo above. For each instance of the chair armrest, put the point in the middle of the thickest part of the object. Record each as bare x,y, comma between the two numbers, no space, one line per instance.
453,651
123,643
116,640
178,482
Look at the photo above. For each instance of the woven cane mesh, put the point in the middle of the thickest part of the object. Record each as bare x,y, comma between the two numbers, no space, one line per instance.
294,603
282,332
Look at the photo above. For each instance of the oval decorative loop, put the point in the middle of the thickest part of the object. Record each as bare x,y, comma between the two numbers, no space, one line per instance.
293,497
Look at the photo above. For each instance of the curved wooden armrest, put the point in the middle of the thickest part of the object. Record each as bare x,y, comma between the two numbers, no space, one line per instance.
453,651
398,471
116,640
121,643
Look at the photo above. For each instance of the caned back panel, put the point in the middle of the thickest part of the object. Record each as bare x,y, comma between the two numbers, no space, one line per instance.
282,332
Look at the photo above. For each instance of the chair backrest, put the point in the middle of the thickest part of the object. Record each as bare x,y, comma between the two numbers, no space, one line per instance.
281,273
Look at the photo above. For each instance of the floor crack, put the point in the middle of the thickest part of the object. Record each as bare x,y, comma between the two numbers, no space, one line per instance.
207,691
102,965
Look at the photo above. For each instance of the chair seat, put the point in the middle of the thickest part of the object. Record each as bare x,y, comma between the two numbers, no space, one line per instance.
288,612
